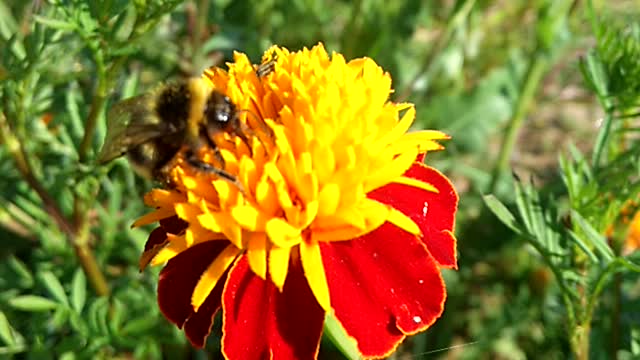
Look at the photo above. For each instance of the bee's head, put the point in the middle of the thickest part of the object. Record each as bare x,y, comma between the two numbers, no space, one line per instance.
220,113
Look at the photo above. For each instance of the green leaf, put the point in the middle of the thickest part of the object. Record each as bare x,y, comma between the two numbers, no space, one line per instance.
149,350
32,303
571,275
60,317
338,337
8,24
97,316
33,209
76,122
52,284
67,356
583,246
55,24
117,315
17,53
7,333
138,326
596,239
503,214
594,73
78,323
24,276
635,341
627,264
78,291
524,197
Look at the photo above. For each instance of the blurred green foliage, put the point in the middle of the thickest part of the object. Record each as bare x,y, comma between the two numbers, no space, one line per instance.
514,83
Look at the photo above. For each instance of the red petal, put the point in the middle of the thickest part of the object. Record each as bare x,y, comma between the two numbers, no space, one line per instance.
433,212
383,285
198,325
157,237
259,322
156,242
173,225
175,286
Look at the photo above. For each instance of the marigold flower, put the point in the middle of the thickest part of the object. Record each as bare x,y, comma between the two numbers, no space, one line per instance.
334,212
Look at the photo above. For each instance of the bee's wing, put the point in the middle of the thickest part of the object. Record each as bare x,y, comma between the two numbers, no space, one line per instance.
130,123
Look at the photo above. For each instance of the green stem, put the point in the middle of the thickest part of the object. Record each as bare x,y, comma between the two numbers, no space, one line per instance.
14,146
616,323
91,268
82,204
98,102
82,250
580,341
533,77
580,330
564,290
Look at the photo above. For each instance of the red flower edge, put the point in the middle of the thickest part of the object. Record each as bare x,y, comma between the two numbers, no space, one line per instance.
434,213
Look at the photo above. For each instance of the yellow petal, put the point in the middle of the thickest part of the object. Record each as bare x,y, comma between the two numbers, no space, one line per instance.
233,232
210,277
403,222
324,162
249,217
337,234
346,216
279,265
257,254
279,183
314,272
209,221
328,198
308,215
306,187
394,170
400,129
150,218
266,196
424,141
375,213
187,212
403,180
176,245
159,197
281,233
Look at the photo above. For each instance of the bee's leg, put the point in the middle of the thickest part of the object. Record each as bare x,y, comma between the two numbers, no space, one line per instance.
216,151
218,155
241,129
266,68
194,161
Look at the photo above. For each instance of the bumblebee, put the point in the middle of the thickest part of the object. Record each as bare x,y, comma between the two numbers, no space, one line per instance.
151,129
